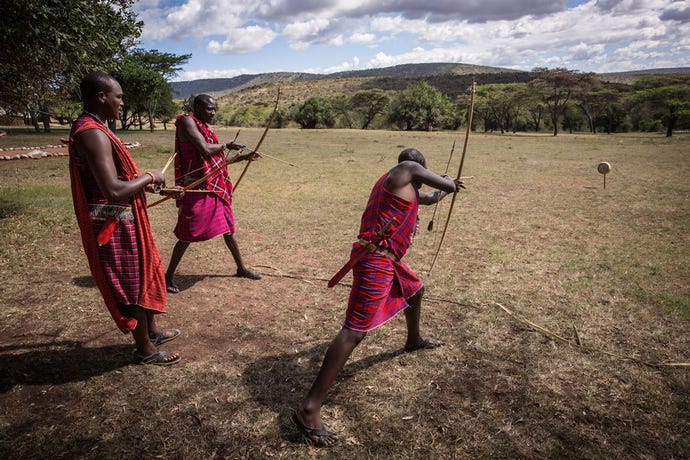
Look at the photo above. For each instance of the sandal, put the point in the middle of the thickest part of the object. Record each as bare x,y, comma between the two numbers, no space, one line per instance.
312,436
171,287
427,343
160,358
164,335
248,273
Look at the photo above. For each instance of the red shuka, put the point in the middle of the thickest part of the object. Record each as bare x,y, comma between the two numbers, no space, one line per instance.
152,295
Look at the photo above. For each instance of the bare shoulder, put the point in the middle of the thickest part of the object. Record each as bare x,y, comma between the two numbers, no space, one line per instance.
400,175
406,167
186,127
91,139
186,122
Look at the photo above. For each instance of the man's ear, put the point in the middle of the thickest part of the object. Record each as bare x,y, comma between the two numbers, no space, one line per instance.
101,96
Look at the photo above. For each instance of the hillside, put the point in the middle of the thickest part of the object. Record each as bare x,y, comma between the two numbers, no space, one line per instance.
386,76
629,77
451,79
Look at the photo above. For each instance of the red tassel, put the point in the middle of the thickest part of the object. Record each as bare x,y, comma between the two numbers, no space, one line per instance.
107,231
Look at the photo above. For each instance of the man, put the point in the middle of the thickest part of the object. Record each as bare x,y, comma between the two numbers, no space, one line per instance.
382,284
110,204
205,212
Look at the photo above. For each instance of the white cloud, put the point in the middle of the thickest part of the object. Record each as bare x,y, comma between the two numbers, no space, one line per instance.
595,35
302,31
362,39
337,41
203,74
342,67
584,51
242,41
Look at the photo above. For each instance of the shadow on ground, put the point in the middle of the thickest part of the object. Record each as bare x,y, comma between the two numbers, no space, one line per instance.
289,377
54,363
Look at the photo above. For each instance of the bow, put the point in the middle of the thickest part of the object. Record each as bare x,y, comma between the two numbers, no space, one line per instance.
430,227
263,136
190,186
462,161
222,165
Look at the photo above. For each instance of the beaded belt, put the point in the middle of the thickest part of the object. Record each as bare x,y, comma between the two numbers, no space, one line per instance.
104,211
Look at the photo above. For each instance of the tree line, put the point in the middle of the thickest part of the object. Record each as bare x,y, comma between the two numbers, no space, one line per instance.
550,100
49,45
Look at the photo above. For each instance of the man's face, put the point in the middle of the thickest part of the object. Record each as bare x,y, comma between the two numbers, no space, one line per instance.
112,101
206,110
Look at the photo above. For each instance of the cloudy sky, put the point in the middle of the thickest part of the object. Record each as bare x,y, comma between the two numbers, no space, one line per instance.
232,37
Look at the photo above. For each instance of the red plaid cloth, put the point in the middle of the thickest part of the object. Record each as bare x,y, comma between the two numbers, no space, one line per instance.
191,165
120,259
202,215
381,286
127,267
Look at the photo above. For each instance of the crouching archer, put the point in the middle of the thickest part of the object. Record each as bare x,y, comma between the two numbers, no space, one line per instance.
382,284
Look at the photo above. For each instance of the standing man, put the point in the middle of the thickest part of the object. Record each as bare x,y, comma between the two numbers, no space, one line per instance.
382,284
205,212
110,204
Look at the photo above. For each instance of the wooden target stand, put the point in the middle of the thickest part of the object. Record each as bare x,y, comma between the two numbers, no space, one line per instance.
604,168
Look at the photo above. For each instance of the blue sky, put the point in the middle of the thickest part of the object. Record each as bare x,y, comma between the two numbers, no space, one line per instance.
232,37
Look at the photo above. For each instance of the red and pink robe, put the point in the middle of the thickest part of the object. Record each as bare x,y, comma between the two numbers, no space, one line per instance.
381,286
202,216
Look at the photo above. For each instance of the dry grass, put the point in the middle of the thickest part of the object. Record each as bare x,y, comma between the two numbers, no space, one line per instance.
535,231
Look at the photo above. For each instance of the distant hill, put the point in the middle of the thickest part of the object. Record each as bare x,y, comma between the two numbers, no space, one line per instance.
629,77
222,86
450,78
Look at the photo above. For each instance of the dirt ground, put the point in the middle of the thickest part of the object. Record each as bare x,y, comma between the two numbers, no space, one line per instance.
498,388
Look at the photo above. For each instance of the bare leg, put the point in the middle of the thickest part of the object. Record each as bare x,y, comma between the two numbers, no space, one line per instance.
178,251
242,270
141,331
340,349
147,352
157,335
412,315
415,341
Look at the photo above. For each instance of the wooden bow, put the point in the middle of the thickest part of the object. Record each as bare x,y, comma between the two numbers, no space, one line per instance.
223,164
263,136
430,227
191,185
462,161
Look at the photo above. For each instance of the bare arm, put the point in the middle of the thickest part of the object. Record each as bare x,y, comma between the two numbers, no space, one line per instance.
96,148
402,177
188,132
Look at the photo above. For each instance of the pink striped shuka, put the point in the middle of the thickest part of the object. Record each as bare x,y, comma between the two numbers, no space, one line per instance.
382,283
202,216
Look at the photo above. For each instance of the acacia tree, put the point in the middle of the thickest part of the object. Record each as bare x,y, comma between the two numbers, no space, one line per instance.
667,95
502,104
586,97
341,106
47,47
606,107
316,111
556,87
143,75
420,106
369,104
167,112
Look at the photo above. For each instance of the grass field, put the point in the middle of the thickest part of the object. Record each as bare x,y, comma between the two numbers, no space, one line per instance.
535,232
